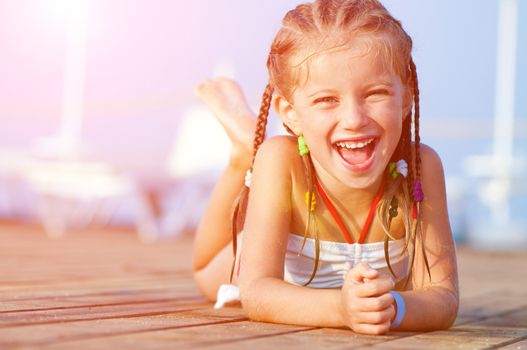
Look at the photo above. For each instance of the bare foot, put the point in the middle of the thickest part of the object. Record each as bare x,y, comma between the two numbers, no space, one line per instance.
225,99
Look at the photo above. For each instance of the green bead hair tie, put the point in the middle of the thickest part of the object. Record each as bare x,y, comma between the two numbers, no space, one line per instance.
392,169
302,147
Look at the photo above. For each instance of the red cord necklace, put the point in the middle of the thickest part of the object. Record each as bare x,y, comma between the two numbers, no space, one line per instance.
338,220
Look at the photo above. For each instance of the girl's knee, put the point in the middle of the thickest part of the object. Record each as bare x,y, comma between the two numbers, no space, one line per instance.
205,282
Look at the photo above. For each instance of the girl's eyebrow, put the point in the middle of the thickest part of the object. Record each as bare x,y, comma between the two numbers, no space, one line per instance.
323,91
380,82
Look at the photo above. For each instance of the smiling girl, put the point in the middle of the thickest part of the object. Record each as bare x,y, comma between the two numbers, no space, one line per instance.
337,230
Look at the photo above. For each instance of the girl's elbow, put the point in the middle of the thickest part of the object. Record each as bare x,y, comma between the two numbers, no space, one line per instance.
249,308
453,315
251,304
253,308
451,311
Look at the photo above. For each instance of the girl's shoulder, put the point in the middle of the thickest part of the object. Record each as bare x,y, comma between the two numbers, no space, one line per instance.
432,176
430,161
282,148
278,158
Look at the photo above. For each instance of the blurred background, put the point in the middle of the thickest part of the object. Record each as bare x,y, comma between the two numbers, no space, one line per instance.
99,125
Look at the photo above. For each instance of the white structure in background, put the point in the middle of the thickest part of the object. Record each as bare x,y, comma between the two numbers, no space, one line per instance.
502,168
67,144
72,192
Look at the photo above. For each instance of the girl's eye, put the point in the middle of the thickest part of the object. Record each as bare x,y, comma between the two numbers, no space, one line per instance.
326,99
378,92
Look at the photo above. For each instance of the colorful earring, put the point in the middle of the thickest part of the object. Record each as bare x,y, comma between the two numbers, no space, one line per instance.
302,147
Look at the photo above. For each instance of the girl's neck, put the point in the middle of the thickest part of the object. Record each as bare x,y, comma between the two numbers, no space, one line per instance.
341,193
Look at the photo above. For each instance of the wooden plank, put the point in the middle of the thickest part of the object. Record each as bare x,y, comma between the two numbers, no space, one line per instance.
101,331
488,272
104,312
97,311
169,333
491,332
104,289
490,304
318,338
514,345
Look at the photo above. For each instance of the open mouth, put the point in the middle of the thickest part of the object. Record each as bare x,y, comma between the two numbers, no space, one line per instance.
358,154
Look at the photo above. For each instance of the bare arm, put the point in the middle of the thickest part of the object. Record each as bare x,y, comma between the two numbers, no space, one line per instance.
265,296
439,297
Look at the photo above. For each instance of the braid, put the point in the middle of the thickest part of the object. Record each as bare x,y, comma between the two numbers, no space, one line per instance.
407,151
418,194
240,205
261,122
417,138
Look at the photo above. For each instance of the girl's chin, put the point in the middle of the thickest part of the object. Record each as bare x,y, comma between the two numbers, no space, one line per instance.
361,182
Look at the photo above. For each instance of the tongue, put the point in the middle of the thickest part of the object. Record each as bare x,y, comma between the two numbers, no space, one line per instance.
356,156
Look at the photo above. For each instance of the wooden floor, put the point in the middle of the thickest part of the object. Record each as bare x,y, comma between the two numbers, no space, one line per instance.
103,289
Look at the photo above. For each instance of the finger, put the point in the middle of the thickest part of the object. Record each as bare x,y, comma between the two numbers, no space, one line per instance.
374,329
360,272
376,303
377,317
381,274
374,288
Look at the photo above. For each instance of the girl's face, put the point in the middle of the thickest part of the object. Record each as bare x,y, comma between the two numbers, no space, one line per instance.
350,111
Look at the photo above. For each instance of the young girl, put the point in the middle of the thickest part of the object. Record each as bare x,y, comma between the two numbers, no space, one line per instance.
338,230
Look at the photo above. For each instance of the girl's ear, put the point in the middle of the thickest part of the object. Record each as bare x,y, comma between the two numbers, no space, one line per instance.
287,113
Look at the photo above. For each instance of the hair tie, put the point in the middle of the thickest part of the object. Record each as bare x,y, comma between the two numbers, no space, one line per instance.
302,147
418,194
394,205
401,167
248,176
311,202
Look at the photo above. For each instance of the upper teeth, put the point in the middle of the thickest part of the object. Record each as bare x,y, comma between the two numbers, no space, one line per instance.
355,144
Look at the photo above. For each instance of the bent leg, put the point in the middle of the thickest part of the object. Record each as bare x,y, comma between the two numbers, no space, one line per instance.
214,231
212,250
217,272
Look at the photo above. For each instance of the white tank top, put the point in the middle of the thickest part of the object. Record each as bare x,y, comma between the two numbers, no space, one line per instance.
335,260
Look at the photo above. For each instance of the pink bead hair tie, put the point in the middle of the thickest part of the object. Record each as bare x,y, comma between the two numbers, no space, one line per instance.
418,192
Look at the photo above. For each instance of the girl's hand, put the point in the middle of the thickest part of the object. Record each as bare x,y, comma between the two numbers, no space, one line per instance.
367,305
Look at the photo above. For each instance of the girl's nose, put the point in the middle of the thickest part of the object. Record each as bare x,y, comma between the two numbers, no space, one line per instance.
354,116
